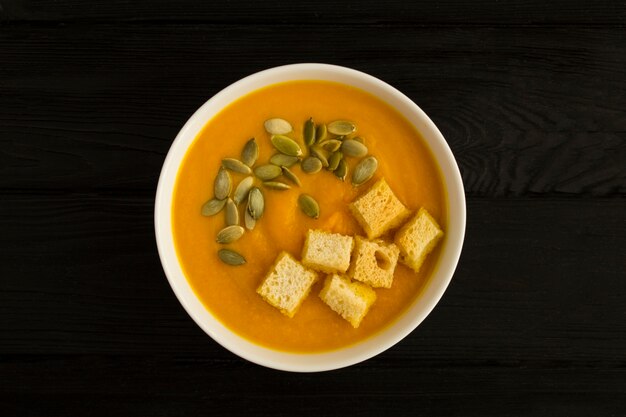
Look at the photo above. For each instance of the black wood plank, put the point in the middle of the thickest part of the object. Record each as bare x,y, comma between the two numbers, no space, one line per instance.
494,12
533,111
174,386
541,281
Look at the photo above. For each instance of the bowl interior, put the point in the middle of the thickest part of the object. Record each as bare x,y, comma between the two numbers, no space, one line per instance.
401,327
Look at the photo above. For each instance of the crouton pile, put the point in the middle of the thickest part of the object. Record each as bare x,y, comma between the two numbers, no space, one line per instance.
354,265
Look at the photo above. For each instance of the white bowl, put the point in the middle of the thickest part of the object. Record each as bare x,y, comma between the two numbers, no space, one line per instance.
423,305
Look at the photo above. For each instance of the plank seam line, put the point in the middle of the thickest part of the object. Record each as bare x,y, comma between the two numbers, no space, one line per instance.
66,23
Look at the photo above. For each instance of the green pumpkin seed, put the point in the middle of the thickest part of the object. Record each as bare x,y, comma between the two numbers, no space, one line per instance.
333,162
309,132
351,147
309,206
250,152
277,126
230,257
321,154
321,133
291,176
364,170
342,170
359,139
331,145
222,184
232,215
229,234
256,203
282,160
286,145
341,127
249,221
212,207
276,185
267,172
236,165
241,192
311,165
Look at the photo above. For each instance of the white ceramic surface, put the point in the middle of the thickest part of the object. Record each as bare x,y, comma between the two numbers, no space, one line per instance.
374,345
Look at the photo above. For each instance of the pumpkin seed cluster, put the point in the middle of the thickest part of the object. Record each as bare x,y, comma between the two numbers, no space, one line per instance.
326,146
329,145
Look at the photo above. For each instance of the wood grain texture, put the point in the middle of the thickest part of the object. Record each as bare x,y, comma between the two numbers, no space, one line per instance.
526,112
520,12
166,386
81,275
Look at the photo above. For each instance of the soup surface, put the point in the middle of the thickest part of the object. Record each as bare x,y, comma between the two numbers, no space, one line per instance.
229,292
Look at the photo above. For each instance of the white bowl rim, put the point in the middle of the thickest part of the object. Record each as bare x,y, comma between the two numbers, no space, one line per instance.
375,344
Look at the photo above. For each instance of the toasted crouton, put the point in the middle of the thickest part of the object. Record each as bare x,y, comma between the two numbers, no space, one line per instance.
287,284
417,238
351,300
327,252
379,210
374,262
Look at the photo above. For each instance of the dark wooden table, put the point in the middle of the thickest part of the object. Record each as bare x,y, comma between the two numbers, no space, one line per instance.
531,96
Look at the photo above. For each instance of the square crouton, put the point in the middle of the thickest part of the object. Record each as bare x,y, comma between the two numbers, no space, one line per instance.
417,238
351,300
379,210
287,284
374,262
327,252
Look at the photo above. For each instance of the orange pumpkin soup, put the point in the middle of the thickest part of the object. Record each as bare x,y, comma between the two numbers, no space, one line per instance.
229,292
